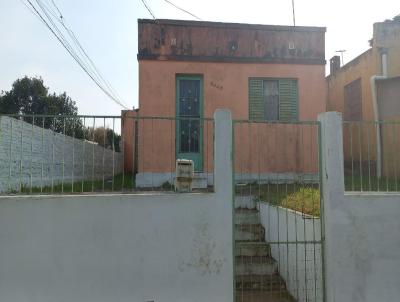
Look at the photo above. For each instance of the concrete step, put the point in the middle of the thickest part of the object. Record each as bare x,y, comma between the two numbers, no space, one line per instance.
255,265
267,283
260,296
245,202
249,232
247,216
243,248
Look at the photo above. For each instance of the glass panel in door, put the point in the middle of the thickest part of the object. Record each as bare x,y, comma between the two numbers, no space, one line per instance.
189,130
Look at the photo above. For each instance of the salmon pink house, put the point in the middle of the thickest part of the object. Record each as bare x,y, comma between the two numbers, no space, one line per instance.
188,69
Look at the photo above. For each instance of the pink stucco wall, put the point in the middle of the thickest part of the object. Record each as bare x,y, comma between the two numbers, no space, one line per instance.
157,95
291,148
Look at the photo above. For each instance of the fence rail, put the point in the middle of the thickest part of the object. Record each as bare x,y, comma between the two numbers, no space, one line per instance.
77,154
278,244
370,151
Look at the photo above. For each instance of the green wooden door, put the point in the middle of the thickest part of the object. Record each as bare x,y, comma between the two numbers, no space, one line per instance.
189,104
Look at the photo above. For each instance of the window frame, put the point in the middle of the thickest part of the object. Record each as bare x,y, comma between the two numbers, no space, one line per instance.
264,100
278,79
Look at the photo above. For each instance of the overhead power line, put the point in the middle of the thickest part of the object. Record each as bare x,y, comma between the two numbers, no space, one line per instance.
83,57
55,5
30,9
183,10
79,54
293,14
75,40
148,9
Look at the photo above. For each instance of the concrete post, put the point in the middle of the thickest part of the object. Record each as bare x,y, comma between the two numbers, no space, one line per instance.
223,177
332,190
223,170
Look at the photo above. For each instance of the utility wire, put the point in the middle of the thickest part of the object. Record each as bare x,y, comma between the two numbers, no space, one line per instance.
30,9
181,9
148,8
54,4
94,71
66,43
60,18
59,36
94,76
293,13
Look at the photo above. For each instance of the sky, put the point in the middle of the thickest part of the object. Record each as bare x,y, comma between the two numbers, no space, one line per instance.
108,32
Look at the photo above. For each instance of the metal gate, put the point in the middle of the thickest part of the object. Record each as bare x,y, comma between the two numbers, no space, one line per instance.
278,228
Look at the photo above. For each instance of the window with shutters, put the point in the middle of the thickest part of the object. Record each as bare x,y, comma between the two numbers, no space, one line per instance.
273,99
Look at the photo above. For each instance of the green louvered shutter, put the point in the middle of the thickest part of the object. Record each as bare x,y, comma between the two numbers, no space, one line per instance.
256,101
288,100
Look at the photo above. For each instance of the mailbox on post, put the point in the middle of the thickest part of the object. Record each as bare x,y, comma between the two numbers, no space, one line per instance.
184,175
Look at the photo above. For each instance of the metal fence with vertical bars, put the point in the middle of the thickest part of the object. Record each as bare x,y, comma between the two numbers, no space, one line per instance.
278,234
46,154
370,151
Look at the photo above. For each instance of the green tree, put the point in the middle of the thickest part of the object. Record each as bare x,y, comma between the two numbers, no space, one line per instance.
30,99
29,96
105,137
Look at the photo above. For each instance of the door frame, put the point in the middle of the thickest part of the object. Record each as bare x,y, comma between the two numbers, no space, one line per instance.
201,122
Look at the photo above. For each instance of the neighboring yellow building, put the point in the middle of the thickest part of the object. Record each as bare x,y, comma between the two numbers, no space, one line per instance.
349,86
363,90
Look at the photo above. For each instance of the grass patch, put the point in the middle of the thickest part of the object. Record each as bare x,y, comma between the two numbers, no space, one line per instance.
371,183
303,198
117,183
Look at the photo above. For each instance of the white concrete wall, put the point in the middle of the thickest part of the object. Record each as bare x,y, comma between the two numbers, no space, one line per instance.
292,237
48,157
362,245
171,247
154,179
276,178
364,248
126,247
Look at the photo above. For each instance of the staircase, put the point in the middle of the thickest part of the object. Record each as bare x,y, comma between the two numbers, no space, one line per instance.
257,277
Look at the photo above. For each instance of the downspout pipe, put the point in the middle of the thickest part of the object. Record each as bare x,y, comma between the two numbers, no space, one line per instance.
373,83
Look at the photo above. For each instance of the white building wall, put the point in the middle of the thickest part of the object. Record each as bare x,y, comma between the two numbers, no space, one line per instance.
31,154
